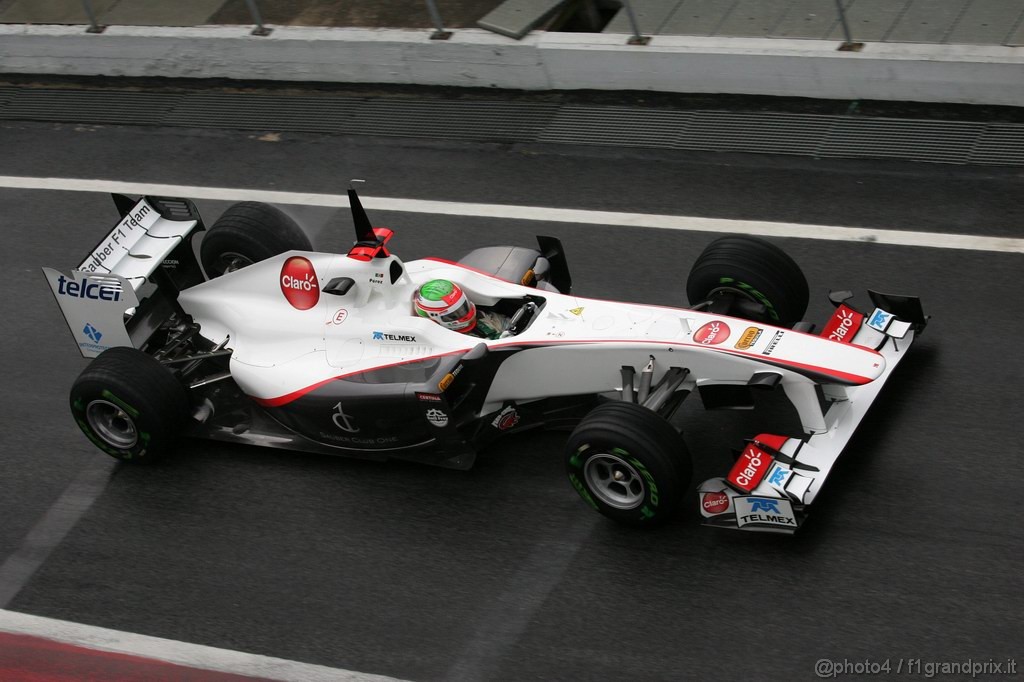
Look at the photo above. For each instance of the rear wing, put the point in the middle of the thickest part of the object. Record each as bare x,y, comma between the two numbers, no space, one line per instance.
104,299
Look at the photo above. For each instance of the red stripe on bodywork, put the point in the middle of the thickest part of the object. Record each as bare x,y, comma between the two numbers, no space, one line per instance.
854,379
295,395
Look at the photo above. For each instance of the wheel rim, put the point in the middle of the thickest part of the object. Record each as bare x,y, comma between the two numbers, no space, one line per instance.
229,261
614,481
112,424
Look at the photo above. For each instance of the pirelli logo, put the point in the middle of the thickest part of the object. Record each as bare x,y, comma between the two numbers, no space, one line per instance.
749,337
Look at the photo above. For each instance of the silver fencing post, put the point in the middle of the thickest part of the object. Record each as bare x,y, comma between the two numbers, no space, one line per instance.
93,26
848,44
637,39
435,16
260,29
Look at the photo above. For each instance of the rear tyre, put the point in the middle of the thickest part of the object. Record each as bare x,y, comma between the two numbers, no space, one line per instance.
628,463
247,233
129,405
754,269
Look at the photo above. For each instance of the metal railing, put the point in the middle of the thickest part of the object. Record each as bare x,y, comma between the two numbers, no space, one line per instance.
637,36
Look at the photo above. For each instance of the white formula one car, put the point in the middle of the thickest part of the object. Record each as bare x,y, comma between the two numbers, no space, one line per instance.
260,340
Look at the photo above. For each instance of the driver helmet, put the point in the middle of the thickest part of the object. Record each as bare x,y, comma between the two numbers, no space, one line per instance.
444,302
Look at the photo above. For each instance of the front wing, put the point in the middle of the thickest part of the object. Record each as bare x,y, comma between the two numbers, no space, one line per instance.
776,477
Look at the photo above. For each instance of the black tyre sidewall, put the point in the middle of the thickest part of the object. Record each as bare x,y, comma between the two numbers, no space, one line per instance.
756,268
252,229
645,441
144,389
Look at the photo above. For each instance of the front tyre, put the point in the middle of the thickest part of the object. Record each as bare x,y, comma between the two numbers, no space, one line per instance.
753,269
628,463
129,405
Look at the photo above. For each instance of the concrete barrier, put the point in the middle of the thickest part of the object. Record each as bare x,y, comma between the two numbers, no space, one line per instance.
541,61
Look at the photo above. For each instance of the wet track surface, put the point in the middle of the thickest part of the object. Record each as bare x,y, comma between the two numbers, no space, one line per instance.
502,573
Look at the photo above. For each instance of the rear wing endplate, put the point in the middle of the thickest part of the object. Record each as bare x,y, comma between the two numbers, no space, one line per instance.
94,307
97,296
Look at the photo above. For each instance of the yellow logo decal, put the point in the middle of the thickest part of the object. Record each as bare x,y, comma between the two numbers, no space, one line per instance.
446,381
749,336
576,311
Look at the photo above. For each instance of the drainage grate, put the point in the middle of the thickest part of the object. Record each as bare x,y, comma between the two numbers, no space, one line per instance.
756,132
266,112
453,120
89,106
934,141
1001,144
615,126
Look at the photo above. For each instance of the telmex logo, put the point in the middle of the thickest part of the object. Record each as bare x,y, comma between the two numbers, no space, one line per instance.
299,284
713,333
384,336
749,336
97,291
760,504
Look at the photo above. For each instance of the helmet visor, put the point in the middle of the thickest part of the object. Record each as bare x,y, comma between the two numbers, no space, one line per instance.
458,314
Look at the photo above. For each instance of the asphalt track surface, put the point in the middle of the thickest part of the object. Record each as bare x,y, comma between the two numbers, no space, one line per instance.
502,573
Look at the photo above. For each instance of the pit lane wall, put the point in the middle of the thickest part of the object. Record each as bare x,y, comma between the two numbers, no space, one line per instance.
541,61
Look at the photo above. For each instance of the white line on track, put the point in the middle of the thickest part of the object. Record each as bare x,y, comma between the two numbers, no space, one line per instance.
938,240
180,653
55,524
509,613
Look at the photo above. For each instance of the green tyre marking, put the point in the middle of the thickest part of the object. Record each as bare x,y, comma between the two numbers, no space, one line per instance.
651,485
120,403
647,513
575,461
78,404
761,298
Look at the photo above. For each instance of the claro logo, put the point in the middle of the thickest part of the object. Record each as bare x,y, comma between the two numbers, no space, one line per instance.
298,283
845,323
713,333
750,468
715,503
